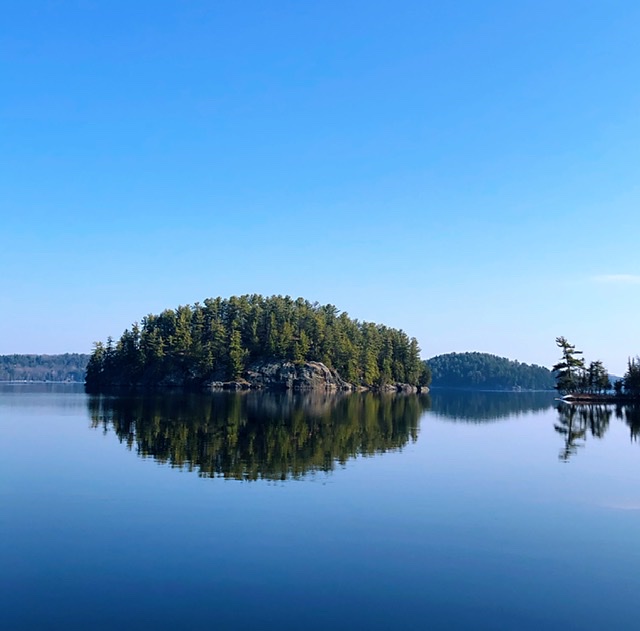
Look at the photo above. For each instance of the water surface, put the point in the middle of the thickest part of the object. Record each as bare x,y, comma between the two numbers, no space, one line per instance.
250,511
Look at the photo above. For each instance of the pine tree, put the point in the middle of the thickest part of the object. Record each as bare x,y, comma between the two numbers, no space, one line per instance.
632,377
236,355
570,369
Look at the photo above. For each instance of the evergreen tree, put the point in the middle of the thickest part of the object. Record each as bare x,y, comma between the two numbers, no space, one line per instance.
236,355
570,370
598,378
95,366
632,377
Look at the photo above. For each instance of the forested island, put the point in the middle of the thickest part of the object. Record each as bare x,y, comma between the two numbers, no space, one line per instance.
253,341
578,381
65,367
483,371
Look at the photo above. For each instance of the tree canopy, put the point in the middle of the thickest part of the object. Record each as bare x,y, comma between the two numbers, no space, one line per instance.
484,371
631,381
66,367
220,338
573,376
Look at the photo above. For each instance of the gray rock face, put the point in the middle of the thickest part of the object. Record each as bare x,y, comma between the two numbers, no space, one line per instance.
307,376
286,375
399,387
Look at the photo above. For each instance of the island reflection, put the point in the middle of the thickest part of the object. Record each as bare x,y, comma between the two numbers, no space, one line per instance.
256,435
578,421
480,406
630,414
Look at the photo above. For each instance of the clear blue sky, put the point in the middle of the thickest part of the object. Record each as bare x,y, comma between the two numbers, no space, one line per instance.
467,171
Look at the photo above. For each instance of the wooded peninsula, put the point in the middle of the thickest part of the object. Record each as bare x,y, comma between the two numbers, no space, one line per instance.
254,341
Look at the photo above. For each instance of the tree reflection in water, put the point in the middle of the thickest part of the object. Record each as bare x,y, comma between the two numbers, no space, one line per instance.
630,414
256,435
577,421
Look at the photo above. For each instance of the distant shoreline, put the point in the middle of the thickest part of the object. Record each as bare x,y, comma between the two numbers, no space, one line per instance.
28,381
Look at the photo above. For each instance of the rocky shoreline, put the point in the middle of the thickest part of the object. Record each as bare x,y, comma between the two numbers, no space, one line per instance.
305,376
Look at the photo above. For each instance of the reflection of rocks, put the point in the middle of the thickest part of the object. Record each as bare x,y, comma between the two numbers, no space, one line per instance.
286,405
254,435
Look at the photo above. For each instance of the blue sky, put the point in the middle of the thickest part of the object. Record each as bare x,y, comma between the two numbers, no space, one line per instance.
466,171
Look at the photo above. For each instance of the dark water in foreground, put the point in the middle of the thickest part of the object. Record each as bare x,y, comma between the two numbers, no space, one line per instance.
455,511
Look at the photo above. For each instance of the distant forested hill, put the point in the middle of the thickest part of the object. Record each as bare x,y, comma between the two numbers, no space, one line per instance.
67,367
487,372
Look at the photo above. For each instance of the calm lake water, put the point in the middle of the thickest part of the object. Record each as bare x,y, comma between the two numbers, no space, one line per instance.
254,511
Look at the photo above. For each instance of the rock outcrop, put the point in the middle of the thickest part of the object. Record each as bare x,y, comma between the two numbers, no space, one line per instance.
286,375
404,388
305,376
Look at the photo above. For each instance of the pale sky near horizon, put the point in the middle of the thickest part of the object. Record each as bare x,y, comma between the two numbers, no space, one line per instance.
468,172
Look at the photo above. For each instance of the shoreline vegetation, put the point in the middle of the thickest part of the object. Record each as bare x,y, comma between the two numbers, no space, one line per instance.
580,383
255,342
